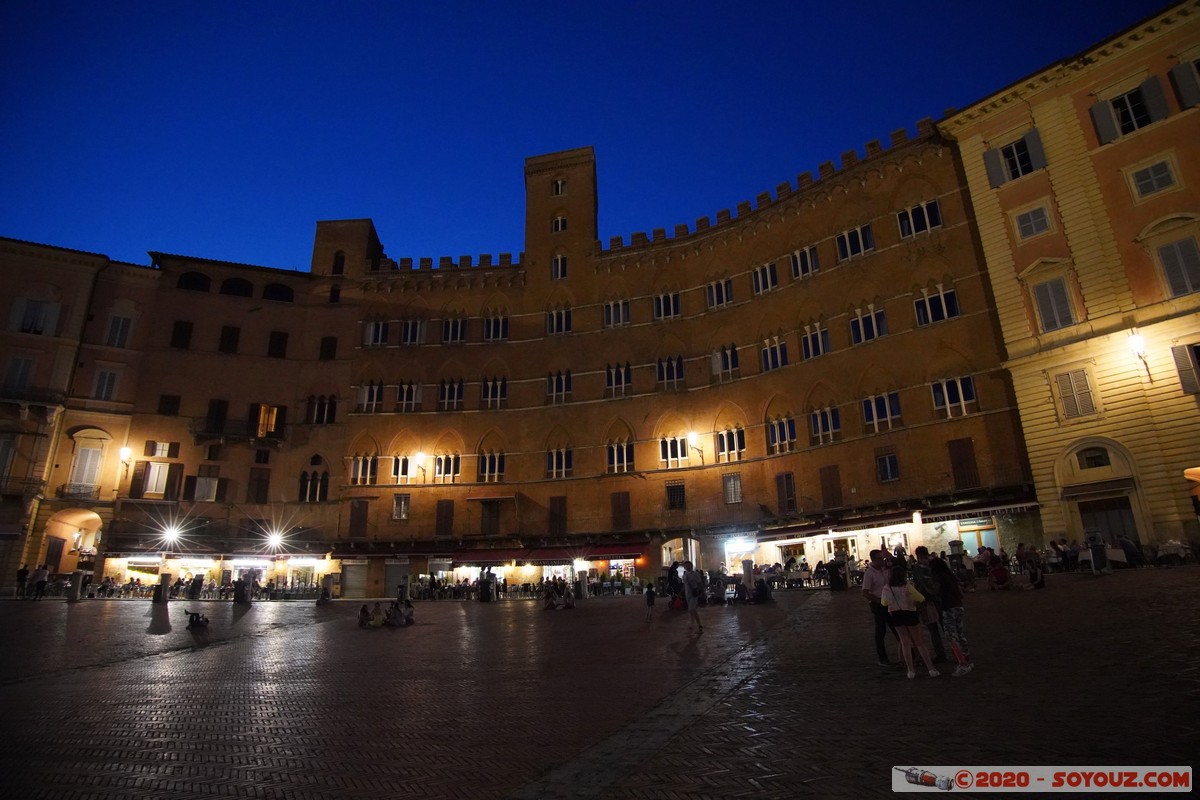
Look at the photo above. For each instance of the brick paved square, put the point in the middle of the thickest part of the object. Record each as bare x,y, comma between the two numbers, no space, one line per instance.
115,699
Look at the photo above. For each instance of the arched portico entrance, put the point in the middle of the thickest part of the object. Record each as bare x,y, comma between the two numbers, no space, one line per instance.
69,541
1098,487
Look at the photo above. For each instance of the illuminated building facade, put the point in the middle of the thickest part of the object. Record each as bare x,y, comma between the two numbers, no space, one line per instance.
828,368
1085,181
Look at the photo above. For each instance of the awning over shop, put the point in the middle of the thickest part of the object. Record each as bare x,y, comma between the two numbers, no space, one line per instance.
545,556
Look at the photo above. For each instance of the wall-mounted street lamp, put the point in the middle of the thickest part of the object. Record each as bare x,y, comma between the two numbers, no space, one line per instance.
419,462
694,443
1137,343
126,454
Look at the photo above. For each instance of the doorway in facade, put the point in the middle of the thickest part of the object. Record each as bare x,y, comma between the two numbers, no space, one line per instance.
1109,518
845,544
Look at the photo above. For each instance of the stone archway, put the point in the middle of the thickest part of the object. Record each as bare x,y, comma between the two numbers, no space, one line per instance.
70,539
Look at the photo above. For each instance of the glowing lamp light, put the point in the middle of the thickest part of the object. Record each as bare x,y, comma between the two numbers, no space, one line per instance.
737,545
274,538
1137,343
126,454
171,534
692,438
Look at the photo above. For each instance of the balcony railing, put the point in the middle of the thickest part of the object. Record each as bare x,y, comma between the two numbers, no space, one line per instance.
204,428
12,485
31,394
77,491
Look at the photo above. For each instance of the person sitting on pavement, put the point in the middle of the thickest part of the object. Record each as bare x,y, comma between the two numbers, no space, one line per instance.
364,616
377,616
762,592
1034,571
196,620
407,612
999,576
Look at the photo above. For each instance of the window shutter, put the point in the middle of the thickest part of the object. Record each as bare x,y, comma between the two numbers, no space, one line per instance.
17,314
367,332
1186,368
781,493
1037,155
281,417
1175,260
1153,97
149,448
1066,392
50,325
222,489
962,463
1083,391
831,486
137,487
1186,85
189,487
621,520
173,450
174,482
994,167
1102,118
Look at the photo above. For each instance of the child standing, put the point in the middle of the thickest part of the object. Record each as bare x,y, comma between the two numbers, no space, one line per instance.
649,601
901,600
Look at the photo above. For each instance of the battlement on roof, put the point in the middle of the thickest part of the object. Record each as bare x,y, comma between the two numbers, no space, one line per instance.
805,181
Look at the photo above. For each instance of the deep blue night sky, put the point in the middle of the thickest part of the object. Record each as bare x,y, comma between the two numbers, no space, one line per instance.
226,130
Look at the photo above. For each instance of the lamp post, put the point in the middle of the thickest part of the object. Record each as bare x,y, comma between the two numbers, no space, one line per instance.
693,441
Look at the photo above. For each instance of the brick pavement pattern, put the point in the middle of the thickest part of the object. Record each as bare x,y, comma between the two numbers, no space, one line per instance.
115,699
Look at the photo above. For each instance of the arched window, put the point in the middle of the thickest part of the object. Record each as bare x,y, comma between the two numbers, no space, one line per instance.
194,282
237,287
321,410
339,263
335,293
278,291
314,485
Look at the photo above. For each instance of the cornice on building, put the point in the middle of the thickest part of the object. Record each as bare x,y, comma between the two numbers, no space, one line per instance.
1050,77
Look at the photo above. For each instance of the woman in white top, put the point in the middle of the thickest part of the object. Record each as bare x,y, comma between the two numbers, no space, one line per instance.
901,600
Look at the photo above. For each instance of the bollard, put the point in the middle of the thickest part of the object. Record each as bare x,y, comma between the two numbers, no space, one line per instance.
76,588
162,592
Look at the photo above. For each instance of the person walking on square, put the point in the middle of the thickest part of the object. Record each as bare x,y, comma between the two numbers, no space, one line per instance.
693,588
952,615
901,601
22,579
875,578
649,601
40,577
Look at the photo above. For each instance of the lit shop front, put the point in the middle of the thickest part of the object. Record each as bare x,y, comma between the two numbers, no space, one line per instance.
146,569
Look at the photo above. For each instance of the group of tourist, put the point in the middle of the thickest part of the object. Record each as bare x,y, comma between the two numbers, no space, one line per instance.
397,615
934,601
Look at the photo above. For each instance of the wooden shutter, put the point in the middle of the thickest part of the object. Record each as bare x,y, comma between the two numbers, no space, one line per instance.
620,511
222,489
445,518
962,463
173,450
1186,84
1105,122
189,487
358,518
137,487
1075,393
785,493
994,166
1153,97
1037,154
831,486
558,515
174,482
148,450
1186,368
